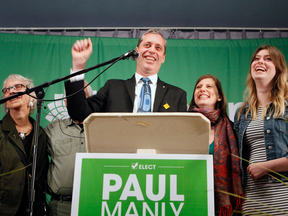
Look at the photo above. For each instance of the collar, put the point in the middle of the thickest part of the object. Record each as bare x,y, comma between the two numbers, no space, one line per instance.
153,78
70,122
9,125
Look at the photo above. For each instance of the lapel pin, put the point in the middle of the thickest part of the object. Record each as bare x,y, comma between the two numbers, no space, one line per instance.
166,106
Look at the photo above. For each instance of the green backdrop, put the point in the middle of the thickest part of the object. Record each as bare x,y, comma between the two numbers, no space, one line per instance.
45,58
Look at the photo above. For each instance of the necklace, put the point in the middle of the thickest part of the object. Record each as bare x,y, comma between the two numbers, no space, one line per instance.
27,128
22,135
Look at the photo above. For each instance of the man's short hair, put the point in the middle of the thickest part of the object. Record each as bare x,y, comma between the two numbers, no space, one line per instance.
153,31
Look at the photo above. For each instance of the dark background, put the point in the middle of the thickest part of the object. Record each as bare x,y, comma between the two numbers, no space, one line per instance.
148,13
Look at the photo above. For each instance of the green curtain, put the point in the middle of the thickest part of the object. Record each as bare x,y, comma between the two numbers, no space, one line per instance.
45,58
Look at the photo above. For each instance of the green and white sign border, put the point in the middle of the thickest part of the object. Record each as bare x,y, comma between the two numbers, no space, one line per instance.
81,156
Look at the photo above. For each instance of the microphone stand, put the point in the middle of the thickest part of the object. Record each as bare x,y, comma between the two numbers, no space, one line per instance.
40,95
31,194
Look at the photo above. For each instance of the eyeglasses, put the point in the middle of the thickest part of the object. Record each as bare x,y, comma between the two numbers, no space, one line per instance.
16,87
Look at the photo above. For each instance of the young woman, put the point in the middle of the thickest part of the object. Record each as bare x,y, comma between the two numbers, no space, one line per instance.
208,99
262,134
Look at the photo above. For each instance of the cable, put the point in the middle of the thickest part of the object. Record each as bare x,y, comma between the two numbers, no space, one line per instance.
87,84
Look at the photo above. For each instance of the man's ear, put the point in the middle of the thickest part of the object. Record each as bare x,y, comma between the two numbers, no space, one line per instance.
163,59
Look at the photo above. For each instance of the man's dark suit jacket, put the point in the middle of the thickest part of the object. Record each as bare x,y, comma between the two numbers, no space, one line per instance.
118,96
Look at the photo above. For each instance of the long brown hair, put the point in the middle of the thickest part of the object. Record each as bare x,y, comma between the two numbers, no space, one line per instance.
279,91
222,105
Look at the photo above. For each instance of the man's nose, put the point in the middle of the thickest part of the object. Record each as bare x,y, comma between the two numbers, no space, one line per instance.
152,49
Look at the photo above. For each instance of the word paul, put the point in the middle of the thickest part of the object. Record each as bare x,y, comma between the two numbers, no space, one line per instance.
112,183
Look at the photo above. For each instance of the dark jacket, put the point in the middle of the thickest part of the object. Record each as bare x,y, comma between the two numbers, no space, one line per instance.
12,185
119,95
275,135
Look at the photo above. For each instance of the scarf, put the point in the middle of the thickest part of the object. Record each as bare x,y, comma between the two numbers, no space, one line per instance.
227,173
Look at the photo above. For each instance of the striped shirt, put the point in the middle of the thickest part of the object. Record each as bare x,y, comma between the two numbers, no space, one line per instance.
263,196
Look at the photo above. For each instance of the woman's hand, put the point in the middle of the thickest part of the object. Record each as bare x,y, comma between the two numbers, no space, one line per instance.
257,170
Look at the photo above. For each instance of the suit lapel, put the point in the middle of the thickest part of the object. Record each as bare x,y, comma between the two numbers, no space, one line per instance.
130,85
160,92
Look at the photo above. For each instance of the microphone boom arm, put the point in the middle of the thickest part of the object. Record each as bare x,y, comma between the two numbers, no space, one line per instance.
47,84
40,95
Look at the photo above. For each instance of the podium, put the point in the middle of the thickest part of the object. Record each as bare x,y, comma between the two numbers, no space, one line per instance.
167,133
112,180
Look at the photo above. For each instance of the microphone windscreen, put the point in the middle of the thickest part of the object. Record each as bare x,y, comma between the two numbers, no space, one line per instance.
134,55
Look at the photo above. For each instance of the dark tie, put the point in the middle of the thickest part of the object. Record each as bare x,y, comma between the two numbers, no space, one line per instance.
145,96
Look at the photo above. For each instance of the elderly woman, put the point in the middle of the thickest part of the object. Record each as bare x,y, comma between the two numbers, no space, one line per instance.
17,131
261,127
208,99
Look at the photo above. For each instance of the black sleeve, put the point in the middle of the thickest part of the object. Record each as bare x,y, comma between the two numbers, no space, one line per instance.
78,106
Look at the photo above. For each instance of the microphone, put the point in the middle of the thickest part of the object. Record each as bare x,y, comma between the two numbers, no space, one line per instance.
132,54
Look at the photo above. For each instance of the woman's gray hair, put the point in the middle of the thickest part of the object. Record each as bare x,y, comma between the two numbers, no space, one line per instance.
28,83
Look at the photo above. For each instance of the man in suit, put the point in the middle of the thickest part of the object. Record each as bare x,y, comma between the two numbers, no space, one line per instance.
124,95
